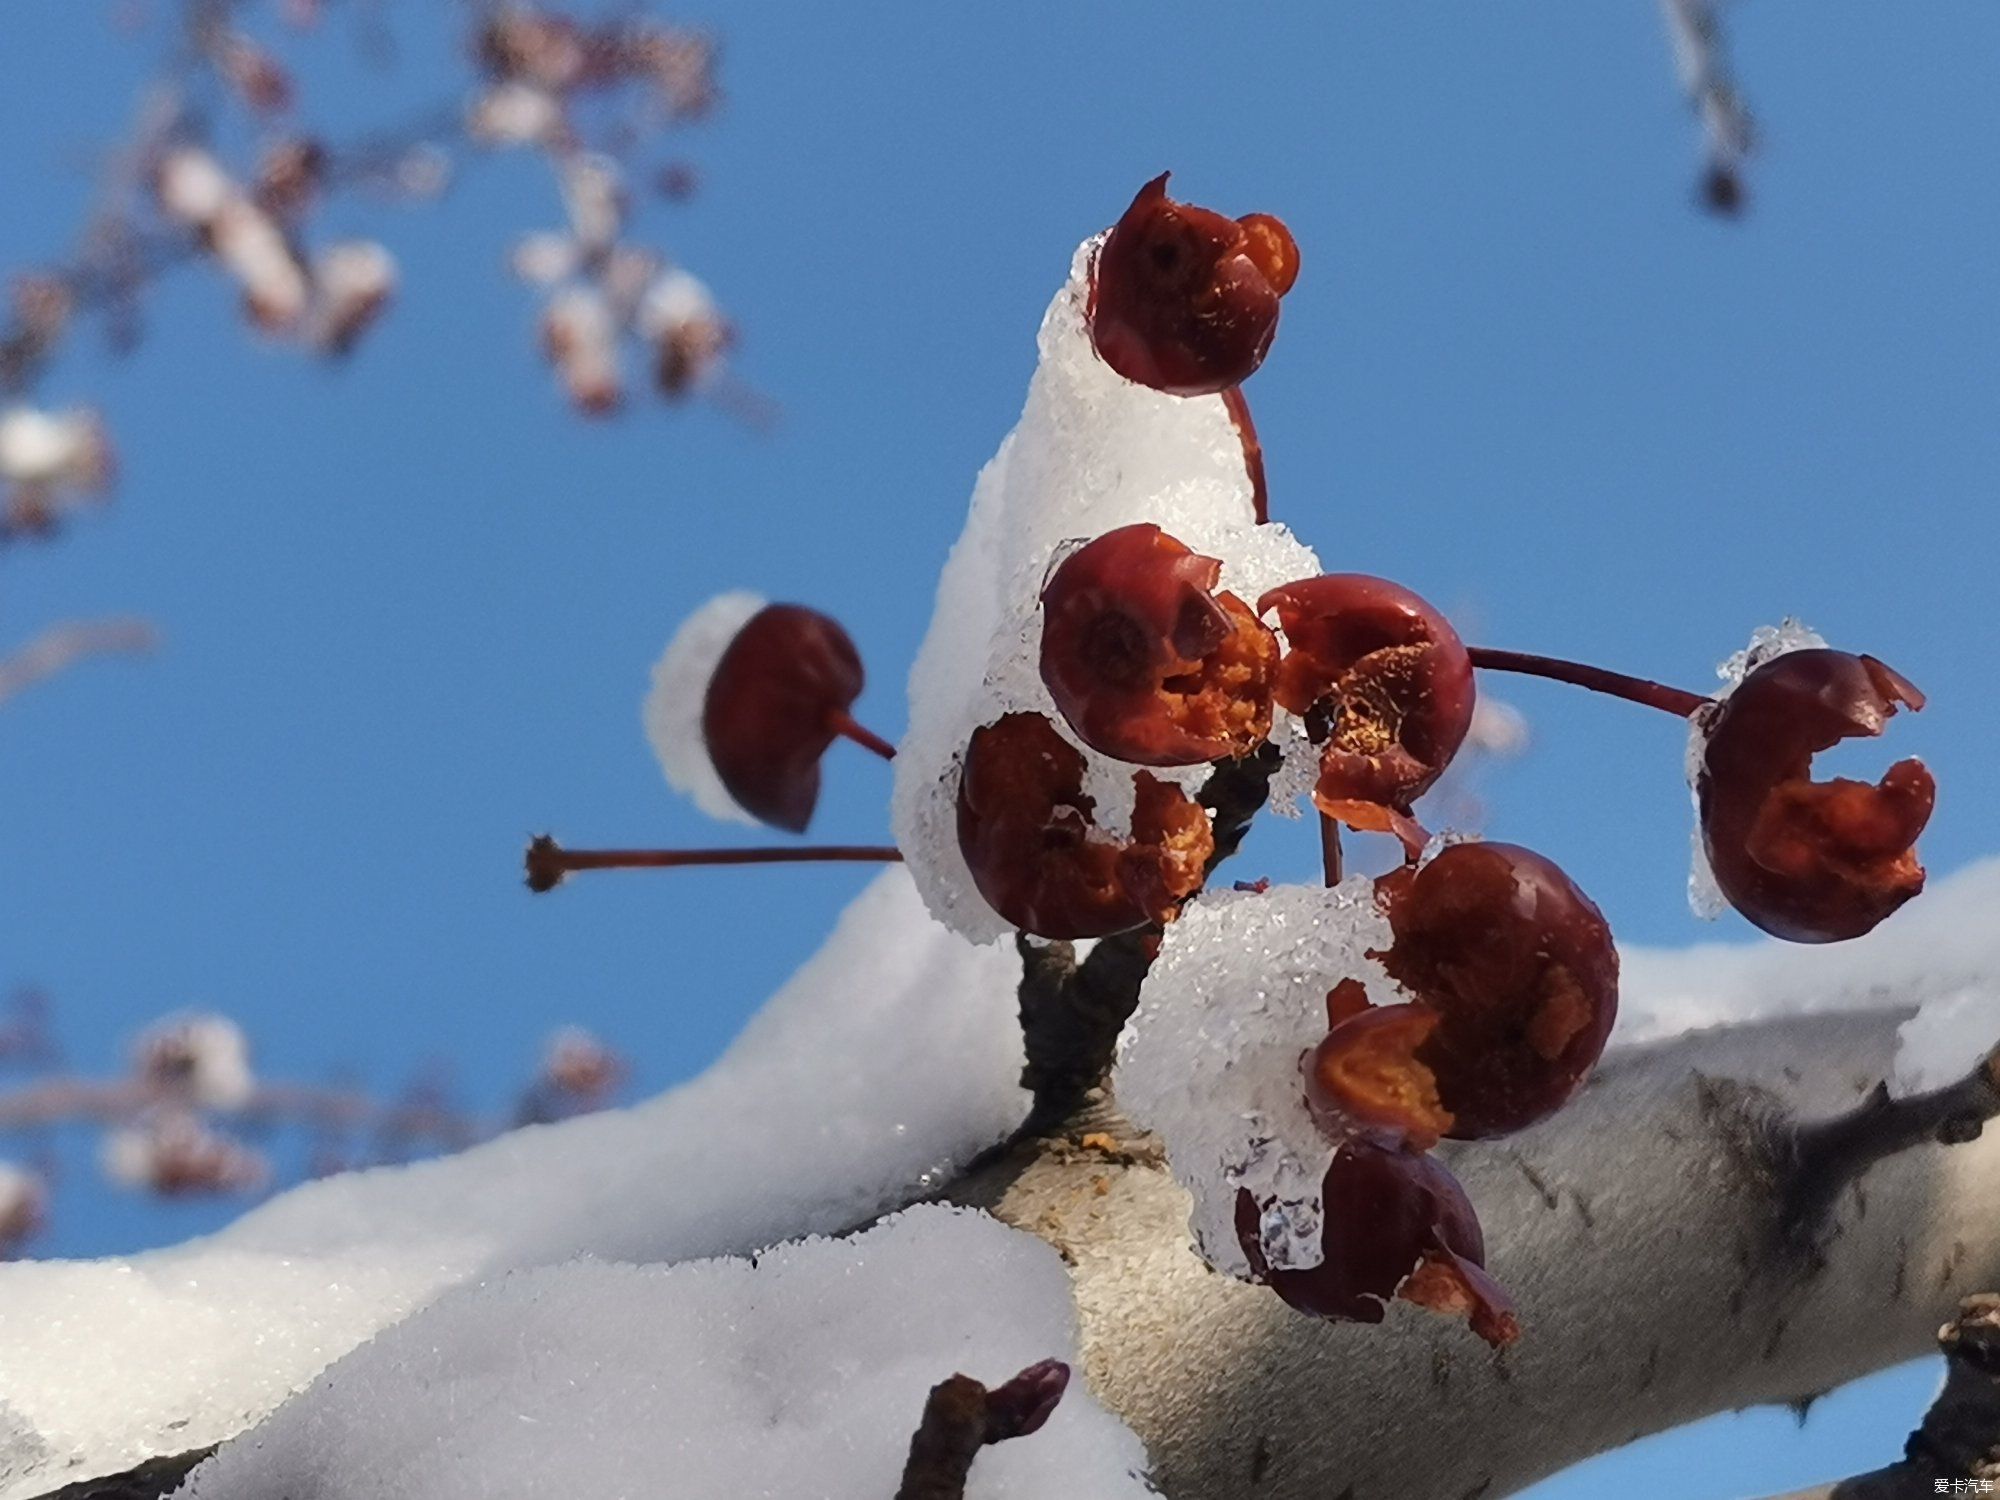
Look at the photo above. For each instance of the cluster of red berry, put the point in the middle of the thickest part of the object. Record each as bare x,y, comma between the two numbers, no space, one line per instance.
1510,972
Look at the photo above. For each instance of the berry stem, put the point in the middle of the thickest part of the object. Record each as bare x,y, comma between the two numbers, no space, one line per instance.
1238,406
1676,701
1329,849
844,724
548,862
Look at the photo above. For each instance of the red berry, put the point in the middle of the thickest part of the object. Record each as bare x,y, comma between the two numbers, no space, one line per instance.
1397,1225
772,709
1384,684
1146,662
1518,968
1185,300
1025,828
1811,861
1364,1078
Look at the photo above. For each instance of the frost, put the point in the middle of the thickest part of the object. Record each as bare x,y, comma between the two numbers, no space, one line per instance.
1211,1059
673,708
1298,766
1939,955
1767,642
801,1375
887,1061
1091,452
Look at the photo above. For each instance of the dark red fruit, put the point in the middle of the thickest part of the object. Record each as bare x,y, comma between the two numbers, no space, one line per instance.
1025,828
774,705
1146,661
1364,1078
1385,686
1518,968
1811,861
1185,300
1397,1225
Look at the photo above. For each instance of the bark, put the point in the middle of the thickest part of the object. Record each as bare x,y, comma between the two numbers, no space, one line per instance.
1661,1271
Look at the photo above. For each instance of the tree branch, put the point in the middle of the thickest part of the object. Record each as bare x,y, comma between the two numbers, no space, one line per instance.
1959,1440
61,646
1644,1232
1071,1012
1828,1156
962,1416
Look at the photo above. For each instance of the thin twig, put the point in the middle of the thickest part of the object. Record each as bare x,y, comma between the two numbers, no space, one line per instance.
1238,407
1702,60
1641,690
62,646
548,862
961,1416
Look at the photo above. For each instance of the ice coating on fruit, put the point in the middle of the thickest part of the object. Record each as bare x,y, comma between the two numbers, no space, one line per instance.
1210,1061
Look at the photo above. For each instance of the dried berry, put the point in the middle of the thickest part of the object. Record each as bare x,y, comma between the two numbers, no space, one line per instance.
1811,861
1385,686
779,696
1185,300
1516,985
1025,827
1396,1225
1146,661
1365,1079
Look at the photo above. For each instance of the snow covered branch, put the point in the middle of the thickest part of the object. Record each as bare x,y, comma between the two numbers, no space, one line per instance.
1644,1232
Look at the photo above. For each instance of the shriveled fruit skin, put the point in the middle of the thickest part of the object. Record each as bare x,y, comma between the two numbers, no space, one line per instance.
1811,861
1143,658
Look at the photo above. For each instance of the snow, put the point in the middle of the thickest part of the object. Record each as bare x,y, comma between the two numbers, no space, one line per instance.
1940,1043
200,1058
1767,642
802,1374
44,447
1091,452
1210,1060
1940,955
673,301
888,1060
673,707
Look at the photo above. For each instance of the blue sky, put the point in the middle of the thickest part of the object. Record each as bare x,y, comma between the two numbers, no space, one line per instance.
409,604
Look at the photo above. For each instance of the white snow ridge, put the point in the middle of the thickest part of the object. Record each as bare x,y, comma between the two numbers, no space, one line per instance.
800,1375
